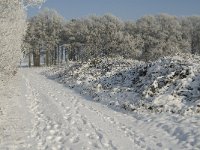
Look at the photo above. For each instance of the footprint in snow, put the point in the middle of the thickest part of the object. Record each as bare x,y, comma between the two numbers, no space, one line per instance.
68,118
73,122
62,104
90,125
53,132
40,144
59,139
58,147
84,121
159,144
90,135
108,144
76,111
56,126
75,139
79,129
49,138
67,108
66,111
93,144
66,132
111,120
48,127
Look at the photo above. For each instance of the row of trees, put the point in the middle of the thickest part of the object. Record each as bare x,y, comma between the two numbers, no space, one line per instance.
107,36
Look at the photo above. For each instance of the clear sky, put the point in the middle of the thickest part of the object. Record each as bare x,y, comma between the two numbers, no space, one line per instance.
125,9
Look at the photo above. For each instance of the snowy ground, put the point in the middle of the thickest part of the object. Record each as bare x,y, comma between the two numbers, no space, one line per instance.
39,113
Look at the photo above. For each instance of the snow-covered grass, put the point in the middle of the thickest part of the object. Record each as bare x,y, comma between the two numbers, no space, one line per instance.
170,84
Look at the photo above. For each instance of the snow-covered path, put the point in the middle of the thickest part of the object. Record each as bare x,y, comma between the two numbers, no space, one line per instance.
43,114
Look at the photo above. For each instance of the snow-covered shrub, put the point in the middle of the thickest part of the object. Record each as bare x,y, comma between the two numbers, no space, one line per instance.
170,84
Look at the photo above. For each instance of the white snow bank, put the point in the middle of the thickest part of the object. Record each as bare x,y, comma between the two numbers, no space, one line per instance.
170,84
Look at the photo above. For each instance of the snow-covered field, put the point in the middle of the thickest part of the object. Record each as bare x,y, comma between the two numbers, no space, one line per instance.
38,113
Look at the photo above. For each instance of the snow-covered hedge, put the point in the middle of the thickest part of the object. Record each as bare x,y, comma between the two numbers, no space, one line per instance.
170,84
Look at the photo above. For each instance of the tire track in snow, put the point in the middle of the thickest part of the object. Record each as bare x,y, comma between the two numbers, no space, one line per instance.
73,119
108,143
14,121
45,130
138,136
96,139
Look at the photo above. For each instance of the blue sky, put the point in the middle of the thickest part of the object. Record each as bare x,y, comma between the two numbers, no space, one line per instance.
125,9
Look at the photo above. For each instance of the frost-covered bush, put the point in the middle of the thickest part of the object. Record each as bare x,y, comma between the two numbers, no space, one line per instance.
170,84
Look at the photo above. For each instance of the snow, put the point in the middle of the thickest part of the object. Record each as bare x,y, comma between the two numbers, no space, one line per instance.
170,84
38,113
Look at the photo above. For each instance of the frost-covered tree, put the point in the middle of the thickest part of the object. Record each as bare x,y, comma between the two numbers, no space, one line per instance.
196,39
109,29
192,28
97,36
161,35
12,29
190,33
74,35
53,23
44,34
27,3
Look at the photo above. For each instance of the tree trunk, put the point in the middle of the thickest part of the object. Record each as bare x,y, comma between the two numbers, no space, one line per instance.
62,55
47,58
58,54
36,59
29,60
55,55
66,58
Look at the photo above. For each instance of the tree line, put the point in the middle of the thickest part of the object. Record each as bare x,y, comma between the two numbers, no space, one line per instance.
148,38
